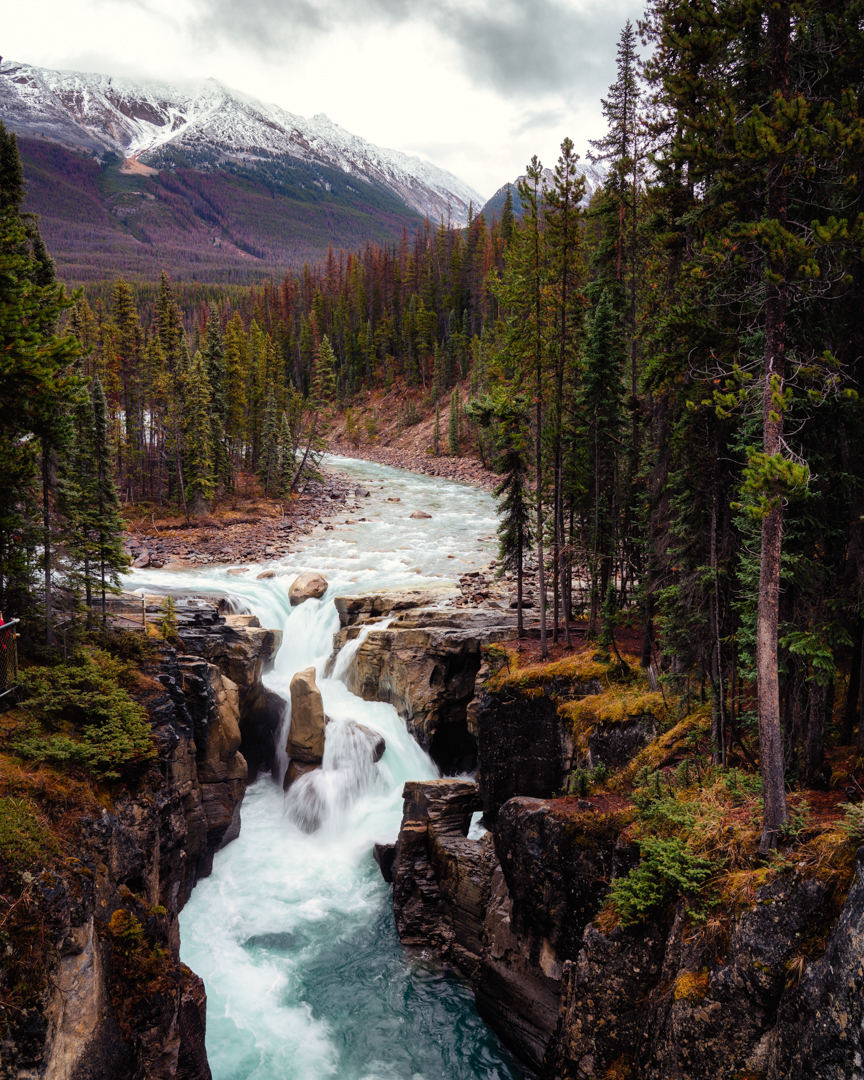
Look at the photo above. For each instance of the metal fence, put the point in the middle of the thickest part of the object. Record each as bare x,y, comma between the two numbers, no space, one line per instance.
8,657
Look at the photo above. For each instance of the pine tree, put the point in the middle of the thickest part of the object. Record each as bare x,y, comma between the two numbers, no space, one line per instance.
108,550
217,377
565,280
600,417
37,381
508,414
507,218
285,450
453,425
200,487
268,462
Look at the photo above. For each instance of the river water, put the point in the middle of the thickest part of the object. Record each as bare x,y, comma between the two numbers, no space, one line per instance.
293,933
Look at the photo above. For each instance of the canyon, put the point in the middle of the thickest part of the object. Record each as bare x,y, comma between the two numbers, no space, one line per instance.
487,900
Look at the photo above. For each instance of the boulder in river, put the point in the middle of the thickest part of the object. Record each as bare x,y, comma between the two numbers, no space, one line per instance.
375,740
361,493
142,560
309,584
265,575
295,770
420,514
306,735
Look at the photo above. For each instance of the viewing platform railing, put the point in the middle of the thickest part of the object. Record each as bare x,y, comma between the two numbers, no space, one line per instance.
8,657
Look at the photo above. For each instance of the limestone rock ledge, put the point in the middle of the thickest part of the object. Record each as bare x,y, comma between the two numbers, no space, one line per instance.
425,663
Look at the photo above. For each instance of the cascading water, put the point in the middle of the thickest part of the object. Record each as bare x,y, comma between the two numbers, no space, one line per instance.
293,933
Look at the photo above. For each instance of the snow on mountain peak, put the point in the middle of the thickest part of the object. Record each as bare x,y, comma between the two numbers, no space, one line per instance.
147,119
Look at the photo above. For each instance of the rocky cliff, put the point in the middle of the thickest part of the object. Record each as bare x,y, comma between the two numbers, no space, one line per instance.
767,988
425,660
109,998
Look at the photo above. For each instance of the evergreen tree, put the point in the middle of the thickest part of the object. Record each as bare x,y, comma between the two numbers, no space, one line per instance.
38,388
200,486
453,425
217,377
600,412
268,462
436,432
108,549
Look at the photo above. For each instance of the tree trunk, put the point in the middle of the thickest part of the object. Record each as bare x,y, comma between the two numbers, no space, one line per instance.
776,812
46,541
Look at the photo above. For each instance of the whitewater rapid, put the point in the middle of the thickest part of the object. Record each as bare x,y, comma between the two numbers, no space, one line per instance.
293,932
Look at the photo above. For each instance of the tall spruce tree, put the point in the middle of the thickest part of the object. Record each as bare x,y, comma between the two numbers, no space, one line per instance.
108,551
197,440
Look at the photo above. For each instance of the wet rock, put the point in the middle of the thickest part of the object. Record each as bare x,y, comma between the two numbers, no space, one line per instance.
295,770
361,493
420,514
614,745
305,586
384,854
266,575
374,739
523,748
142,560
441,878
306,734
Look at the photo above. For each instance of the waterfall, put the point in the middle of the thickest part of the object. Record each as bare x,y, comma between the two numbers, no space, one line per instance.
293,933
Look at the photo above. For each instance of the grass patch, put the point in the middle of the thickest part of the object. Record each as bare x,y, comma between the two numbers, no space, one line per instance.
24,837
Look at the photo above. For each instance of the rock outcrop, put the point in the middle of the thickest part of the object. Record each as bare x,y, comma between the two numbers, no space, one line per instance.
515,913
424,663
307,586
306,734
242,650
117,1002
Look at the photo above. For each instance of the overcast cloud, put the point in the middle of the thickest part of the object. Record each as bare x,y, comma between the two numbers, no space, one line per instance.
477,86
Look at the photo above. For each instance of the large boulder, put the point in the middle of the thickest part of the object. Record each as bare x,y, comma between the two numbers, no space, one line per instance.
420,514
305,586
306,735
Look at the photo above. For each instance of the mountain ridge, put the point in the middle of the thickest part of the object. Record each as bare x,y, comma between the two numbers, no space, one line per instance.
206,124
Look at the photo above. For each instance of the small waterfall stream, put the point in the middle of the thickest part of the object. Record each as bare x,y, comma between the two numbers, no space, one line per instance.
293,932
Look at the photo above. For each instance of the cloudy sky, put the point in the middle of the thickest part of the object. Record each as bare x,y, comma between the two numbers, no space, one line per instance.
478,86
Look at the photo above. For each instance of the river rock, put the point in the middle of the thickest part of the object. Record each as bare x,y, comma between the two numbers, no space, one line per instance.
420,514
295,770
306,735
142,560
266,575
361,493
374,739
309,584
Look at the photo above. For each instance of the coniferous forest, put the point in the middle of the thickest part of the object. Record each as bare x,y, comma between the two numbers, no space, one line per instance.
668,379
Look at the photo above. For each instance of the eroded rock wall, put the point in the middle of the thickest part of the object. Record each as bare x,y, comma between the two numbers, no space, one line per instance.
118,1003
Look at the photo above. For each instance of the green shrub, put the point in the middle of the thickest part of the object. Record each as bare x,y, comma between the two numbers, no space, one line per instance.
80,714
667,868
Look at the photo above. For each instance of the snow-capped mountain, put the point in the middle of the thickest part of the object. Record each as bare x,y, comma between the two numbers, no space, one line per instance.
594,177
160,124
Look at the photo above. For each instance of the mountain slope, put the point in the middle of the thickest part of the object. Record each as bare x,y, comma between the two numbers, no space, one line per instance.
206,125
594,177
220,226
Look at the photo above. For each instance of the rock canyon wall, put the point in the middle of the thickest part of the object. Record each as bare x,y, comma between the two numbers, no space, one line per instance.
777,995
118,1004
